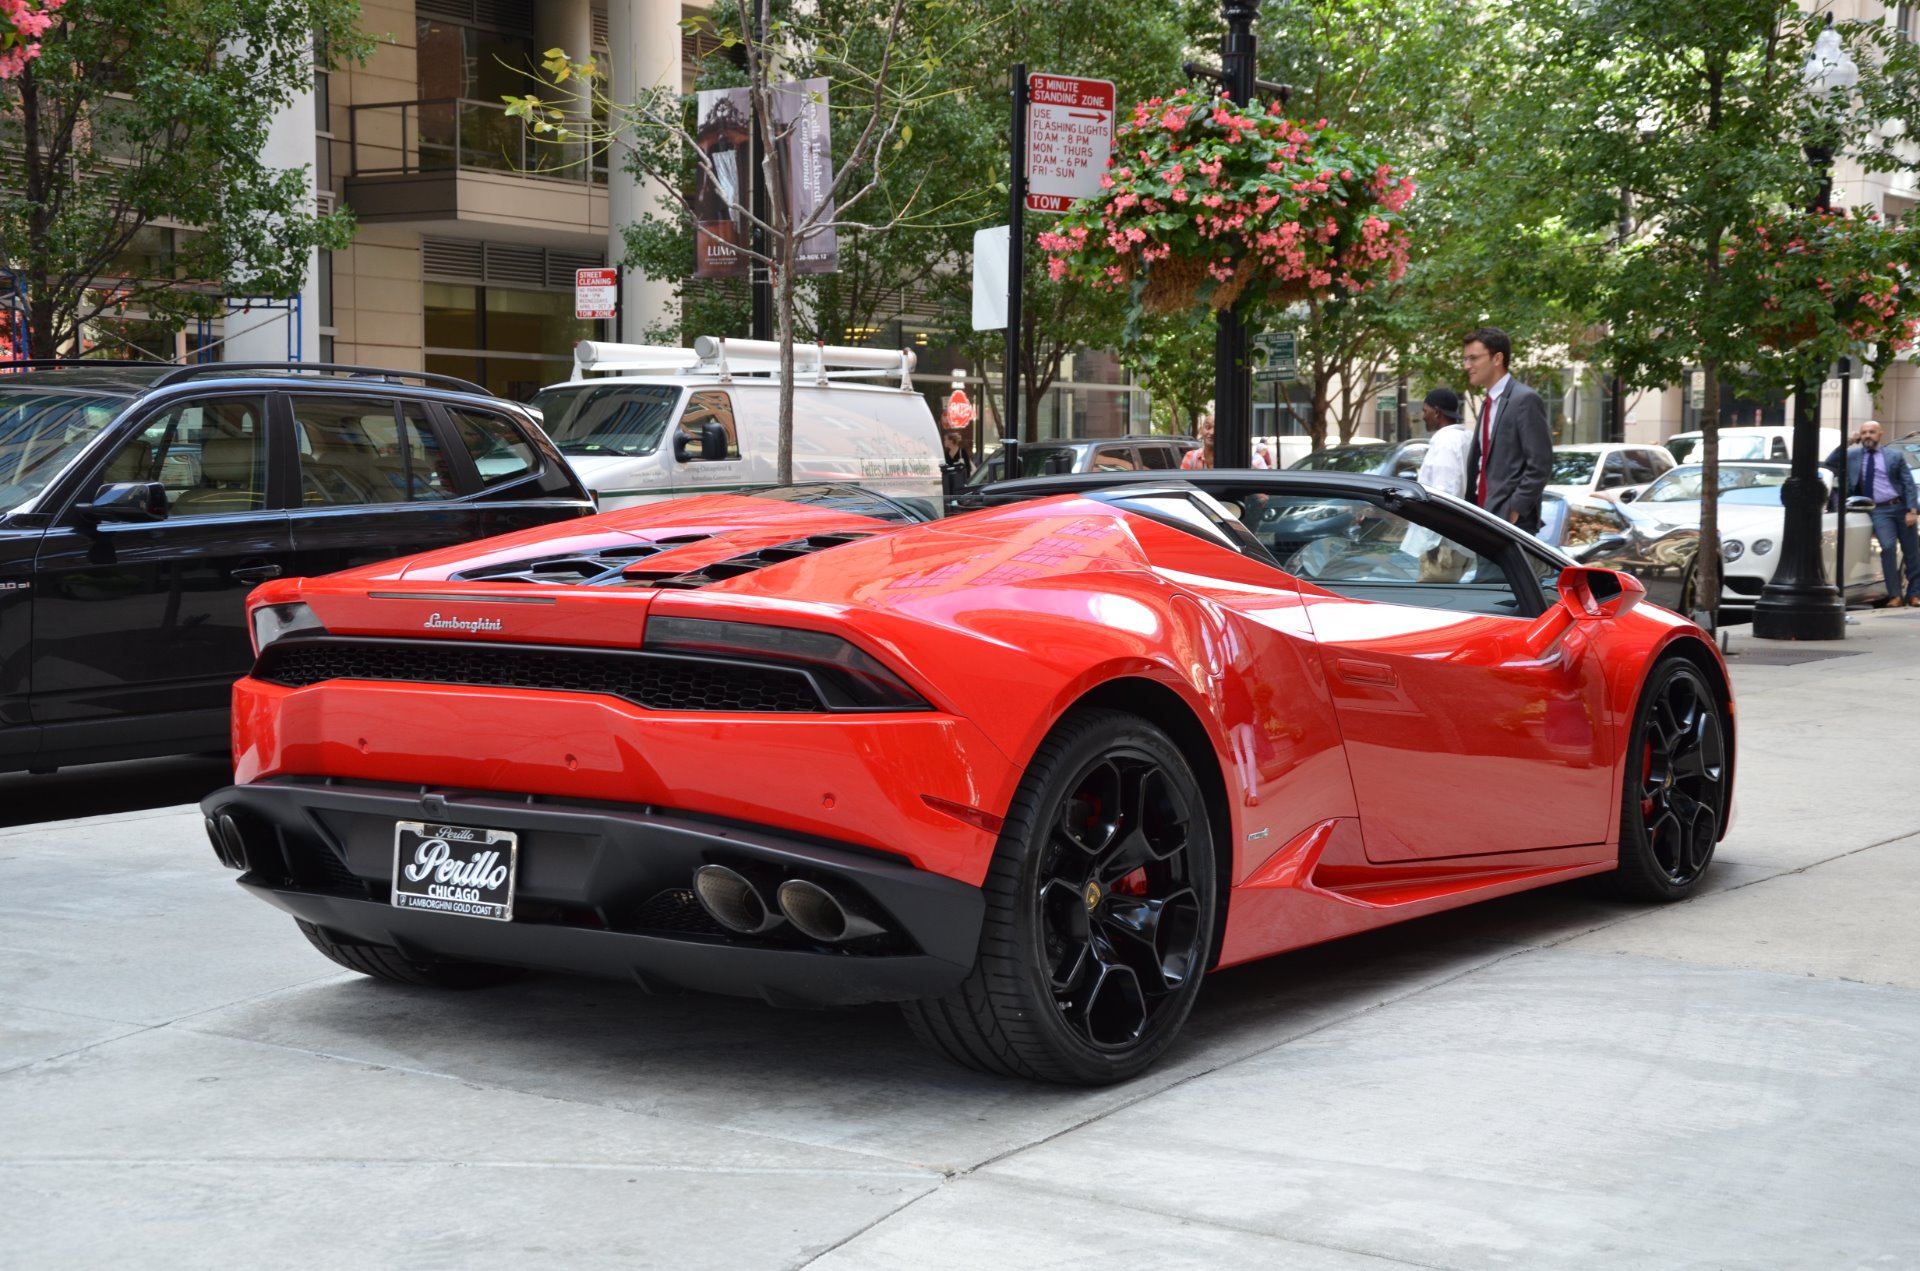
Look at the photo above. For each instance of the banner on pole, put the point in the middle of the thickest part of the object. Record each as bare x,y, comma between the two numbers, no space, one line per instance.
800,115
720,196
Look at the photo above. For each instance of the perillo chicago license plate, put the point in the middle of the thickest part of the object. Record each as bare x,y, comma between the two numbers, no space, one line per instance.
454,869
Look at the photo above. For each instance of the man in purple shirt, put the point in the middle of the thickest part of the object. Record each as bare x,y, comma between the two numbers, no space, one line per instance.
1879,474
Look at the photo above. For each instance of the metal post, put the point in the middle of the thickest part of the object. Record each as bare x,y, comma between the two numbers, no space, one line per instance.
1232,384
1800,604
1016,261
1840,487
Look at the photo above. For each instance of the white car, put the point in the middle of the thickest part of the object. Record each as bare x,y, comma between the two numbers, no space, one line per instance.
1607,469
1763,443
1751,520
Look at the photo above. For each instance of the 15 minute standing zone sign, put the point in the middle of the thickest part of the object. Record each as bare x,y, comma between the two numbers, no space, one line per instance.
1069,136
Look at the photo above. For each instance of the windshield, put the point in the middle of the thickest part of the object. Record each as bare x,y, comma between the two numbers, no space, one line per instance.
1033,463
1343,459
41,430
1682,485
1572,468
1731,447
607,419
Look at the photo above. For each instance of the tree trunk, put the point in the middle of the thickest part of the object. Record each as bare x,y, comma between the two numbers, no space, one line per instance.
1706,568
1322,400
784,252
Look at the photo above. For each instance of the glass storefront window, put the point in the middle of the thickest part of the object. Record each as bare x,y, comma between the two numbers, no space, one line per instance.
452,316
532,322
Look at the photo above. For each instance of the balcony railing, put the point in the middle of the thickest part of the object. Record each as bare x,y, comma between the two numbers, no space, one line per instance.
450,134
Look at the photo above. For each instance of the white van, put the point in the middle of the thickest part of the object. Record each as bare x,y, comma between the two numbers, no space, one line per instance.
1766,444
640,423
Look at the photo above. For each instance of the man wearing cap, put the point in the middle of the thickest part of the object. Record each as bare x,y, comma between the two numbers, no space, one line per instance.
1444,469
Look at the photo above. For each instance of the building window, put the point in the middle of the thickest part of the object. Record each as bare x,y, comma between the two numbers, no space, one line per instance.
514,341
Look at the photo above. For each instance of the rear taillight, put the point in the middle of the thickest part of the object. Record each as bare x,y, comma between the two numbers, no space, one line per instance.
849,678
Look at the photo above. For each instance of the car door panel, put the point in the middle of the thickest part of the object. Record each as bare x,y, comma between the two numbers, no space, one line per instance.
18,736
149,619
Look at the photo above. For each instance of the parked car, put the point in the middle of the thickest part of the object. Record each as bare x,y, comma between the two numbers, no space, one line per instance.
641,423
1134,453
1288,449
1583,470
1766,444
140,504
1381,458
1751,518
1032,771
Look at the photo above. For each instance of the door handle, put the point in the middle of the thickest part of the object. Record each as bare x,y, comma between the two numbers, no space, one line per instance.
255,573
1355,671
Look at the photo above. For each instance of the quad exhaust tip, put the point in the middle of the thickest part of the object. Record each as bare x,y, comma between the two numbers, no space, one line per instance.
732,901
228,845
817,913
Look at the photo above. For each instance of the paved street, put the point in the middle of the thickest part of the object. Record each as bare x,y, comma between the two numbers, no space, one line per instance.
1548,1081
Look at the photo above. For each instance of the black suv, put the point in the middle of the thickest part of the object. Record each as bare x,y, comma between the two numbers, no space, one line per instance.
140,503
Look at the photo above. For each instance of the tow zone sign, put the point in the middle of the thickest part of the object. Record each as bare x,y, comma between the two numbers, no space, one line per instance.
1069,136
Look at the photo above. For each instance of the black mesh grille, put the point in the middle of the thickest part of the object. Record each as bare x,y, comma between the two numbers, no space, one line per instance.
656,681
614,566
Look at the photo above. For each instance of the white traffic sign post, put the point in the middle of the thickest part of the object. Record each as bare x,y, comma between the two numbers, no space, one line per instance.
594,293
1069,136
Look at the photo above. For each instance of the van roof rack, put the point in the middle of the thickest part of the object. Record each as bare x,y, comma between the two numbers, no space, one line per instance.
430,379
717,355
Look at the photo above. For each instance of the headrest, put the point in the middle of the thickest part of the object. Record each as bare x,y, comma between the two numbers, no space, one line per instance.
228,460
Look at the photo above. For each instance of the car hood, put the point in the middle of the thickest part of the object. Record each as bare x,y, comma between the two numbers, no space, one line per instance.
1734,517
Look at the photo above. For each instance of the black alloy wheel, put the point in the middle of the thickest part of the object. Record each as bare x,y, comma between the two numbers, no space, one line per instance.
1100,912
1677,783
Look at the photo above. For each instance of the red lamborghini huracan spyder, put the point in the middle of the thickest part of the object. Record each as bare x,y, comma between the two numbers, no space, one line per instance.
1030,770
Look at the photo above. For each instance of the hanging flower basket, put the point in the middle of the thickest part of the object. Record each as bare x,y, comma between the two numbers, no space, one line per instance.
1822,284
1208,202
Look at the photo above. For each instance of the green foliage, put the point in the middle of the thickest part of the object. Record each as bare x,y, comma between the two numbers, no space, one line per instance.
153,111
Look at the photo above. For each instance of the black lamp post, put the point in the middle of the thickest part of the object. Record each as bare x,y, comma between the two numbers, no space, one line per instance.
1800,604
1232,377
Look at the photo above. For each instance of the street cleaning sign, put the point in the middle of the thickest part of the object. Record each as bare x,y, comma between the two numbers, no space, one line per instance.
1069,136
593,293
1278,361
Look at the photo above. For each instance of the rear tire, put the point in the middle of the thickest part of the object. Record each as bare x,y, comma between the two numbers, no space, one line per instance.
1674,797
1099,915
384,962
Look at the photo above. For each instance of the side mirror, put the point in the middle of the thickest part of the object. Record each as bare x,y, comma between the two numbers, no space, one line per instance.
127,501
712,439
1859,503
1628,495
1590,592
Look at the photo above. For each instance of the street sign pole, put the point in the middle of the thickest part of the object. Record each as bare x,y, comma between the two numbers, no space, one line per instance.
1016,264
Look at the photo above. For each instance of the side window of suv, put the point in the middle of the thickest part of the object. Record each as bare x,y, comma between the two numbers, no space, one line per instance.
209,454
1113,459
1158,455
499,451
367,450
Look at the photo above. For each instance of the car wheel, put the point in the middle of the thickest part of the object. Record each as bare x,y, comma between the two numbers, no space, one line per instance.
1100,913
384,962
1675,797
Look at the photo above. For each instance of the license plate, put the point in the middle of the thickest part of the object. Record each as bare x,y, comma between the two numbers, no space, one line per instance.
454,869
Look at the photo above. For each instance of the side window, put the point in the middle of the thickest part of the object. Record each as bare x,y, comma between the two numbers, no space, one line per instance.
1407,462
1158,457
1359,549
1642,467
1114,459
711,406
499,451
1779,448
351,450
209,454
428,472
1614,473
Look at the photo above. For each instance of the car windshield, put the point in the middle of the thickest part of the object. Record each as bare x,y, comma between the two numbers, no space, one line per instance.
1572,467
41,430
1343,459
607,419
1033,463
1682,485
1734,448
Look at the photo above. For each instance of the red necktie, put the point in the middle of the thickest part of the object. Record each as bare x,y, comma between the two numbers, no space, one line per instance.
1486,444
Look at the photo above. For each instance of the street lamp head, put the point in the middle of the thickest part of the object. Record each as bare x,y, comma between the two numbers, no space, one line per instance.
1828,68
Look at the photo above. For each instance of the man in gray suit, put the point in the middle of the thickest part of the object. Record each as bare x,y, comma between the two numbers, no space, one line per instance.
1512,447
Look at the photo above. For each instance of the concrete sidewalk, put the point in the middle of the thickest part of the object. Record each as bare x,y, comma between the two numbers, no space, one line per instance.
1545,1081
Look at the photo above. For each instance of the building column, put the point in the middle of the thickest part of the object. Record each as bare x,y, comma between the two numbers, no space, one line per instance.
567,25
266,335
643,39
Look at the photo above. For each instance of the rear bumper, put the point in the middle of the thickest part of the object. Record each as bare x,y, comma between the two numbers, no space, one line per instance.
601,890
